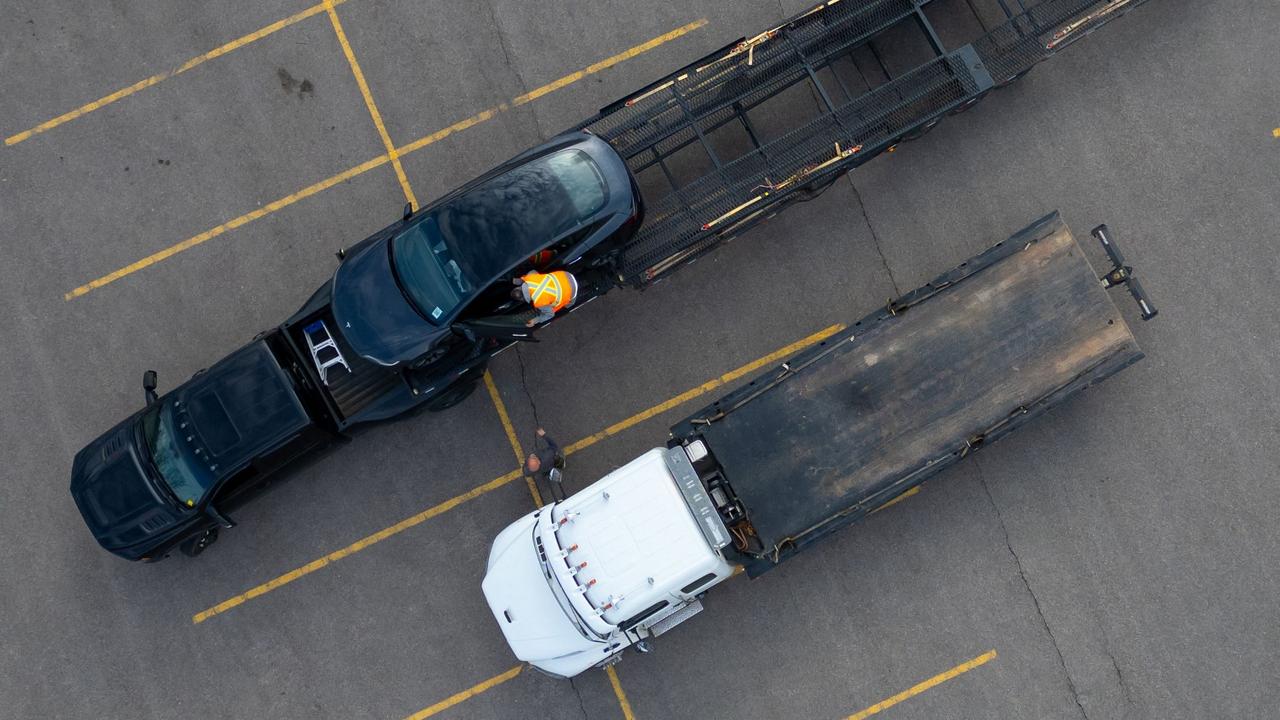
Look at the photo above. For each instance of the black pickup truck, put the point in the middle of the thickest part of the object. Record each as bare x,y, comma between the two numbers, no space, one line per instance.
408,322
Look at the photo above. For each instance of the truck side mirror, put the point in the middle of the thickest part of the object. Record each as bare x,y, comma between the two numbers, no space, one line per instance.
149,380
221,519
408,211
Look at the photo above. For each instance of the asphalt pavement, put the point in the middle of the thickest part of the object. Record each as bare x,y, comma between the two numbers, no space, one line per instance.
1119,555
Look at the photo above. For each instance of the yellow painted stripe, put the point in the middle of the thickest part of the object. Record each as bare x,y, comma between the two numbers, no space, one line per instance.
407,523
355,547
934,681
369,103
897,500
704,388
466,694
360,169
159,77
232,224
1275,133
608,62
501,407
618,693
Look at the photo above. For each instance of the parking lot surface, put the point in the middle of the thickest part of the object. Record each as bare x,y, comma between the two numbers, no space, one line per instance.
177,177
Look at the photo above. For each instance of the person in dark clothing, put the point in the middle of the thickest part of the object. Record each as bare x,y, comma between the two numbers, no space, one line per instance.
545,465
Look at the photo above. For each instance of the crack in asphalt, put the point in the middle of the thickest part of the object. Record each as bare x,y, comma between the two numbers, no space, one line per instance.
875,239
507,60
581,705
862,208
1124,685
524,385
1071,685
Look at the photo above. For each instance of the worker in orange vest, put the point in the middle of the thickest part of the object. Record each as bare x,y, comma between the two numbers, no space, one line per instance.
548,293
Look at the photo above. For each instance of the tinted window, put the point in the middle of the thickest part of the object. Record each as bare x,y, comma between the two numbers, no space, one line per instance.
171,450
474,237
428,271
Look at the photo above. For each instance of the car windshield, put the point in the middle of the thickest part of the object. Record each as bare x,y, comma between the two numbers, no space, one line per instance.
464,244
172,456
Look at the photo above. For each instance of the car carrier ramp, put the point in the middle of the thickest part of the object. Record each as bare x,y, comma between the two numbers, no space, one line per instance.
712,162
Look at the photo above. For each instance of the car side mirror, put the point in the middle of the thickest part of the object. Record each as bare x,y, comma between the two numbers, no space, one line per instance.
408,211
218,517
149,381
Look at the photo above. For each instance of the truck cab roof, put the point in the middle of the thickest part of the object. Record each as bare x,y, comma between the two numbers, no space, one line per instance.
639,539
242,406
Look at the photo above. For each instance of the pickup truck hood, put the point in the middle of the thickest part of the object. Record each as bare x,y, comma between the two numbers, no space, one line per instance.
120,504
522,602
373,315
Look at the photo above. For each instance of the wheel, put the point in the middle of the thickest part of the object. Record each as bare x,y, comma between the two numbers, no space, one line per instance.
199,543
451,396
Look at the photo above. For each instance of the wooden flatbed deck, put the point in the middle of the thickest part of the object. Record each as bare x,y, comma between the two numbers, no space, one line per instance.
909,390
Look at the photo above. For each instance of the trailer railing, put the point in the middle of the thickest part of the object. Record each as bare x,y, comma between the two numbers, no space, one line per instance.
714,156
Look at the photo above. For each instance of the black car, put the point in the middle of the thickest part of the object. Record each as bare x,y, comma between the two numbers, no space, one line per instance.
408,322
569,204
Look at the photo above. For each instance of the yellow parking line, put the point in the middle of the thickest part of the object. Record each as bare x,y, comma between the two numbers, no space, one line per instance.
368,101
466,694
476,492
355,547
154,79
618,693
897,500
608,62
934,681
212,233
704,388
357,170
511,433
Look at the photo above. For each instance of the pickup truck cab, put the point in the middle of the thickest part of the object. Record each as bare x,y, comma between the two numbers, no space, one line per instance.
166,475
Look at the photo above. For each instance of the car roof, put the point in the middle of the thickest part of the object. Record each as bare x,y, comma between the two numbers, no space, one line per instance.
505,234
242,406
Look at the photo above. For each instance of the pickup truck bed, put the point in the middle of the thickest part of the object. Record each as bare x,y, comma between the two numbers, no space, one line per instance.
848,426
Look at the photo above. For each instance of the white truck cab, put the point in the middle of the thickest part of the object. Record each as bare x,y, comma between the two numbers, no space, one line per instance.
575,583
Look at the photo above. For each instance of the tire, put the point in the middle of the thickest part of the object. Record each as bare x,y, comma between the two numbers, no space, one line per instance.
199,543
451,396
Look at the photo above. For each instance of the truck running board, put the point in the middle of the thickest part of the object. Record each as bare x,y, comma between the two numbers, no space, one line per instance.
676,618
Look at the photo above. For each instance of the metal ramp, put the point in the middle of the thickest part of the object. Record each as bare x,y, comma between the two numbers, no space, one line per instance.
871,73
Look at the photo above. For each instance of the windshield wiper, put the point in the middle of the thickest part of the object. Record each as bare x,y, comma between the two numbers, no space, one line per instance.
157,477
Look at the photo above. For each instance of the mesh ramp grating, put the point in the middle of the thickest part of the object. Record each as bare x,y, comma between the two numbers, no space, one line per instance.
684,109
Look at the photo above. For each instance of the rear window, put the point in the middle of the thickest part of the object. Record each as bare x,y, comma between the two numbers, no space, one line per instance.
581,180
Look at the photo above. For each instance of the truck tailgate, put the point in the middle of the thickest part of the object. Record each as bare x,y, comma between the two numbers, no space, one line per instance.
908,391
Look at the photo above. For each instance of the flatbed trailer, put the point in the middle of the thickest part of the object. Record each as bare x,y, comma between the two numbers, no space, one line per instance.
725,143
818,443
847,427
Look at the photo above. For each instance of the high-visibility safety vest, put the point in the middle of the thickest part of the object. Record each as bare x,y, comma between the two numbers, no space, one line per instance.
556,290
